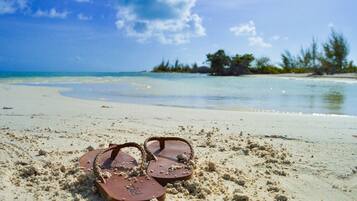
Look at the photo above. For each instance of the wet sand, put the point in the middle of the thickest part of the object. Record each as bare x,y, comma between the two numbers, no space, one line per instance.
240,155
339,77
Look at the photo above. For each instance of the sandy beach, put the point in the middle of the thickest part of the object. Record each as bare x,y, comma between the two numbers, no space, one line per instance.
240,155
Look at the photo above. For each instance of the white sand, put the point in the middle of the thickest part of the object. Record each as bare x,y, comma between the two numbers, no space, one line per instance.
319,163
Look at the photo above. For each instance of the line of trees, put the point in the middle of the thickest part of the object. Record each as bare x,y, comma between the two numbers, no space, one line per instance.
222,64
329,58
177,67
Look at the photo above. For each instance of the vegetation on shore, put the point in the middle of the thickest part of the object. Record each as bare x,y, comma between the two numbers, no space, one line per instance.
176,67
329,58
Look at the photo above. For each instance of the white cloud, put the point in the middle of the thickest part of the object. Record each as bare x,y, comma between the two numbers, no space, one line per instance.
53,13
120,24
167,21
258,42
249,30
83,17
244,29
11,6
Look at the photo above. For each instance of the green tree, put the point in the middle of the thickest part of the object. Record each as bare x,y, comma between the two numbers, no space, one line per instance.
240,64
195,68
161,67
218,61
309,58
336,50
304,60
315,54
262,62
288,61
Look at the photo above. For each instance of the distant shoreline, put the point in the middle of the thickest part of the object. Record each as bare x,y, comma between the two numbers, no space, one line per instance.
335,77
351,76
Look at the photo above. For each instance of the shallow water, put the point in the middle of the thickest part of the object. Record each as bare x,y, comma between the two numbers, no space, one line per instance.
193,90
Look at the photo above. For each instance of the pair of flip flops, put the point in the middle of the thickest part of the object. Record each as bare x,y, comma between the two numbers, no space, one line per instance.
121,177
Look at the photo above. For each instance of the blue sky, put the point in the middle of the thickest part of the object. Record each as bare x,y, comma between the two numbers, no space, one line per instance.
134,35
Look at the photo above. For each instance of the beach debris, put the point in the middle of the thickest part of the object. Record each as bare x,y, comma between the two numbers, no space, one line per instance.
273,189
281,198
21,163
240,182
193,188
90,148
280,172
245,151
354,136
240,197
233,178
222,149
42,152
105,106
189,187
7,108
211,167
63,169
29,171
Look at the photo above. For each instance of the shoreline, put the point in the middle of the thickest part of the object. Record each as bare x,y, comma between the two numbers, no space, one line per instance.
41,82
343,77
302,156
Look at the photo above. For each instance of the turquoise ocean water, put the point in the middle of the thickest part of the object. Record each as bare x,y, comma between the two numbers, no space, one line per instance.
202,91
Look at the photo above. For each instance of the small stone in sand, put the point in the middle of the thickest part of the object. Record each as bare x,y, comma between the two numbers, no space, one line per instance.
281,198
211,167
273,189
21,163
42,152
90,148
63,169
240,197
28,172
246,152
7,108
240,182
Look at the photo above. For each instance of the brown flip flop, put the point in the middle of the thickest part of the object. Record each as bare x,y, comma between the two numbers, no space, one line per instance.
170,159
122,160
122,183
